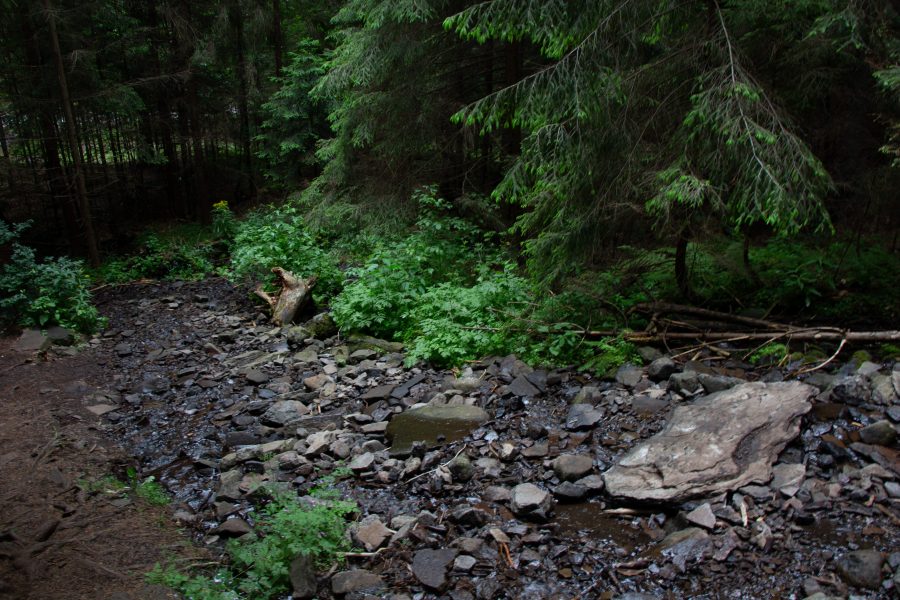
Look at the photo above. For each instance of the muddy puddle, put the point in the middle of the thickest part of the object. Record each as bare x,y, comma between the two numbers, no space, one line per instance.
588,518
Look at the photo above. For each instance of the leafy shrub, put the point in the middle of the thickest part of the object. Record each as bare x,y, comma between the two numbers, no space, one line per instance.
183,252
42,293
452,323
442,250
279,237
224,223
260,567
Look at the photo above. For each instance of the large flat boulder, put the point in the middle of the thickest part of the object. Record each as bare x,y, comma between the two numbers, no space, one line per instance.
717,443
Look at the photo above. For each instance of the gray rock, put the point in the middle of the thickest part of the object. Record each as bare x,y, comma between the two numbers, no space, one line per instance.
649,353
820,380
256,376
233,528
123,349
316,382
717,383
583,416
528,500
685,545
283,412
521,387
303,578
464,563
715,444
321,326
229,483
647,406
372,533
570,492
881,433
861,568
382,392
662,368
684,383
461,468
629,375
355,580
430,566
883,390
893,413
570,467
362,462
586,395
892,488
868,368
591,482
61,336
702,516
296,334
853,390
787,478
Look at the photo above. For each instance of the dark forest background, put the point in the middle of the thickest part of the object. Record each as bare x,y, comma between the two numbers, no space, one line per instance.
740,154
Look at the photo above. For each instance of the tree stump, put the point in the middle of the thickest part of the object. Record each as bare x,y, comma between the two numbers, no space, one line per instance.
294,295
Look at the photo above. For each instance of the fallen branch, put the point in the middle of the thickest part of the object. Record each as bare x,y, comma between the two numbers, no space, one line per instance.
668,307
801,335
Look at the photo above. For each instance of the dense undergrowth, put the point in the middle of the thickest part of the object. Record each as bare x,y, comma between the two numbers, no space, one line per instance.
453,292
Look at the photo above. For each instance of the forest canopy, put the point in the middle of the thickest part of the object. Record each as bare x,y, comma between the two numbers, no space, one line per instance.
717,149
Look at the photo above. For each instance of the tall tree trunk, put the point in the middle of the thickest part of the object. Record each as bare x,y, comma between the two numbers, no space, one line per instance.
80,188
682,277
277,41
237,19
7,159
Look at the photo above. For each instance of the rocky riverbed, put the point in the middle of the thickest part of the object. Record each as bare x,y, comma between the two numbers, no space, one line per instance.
695,476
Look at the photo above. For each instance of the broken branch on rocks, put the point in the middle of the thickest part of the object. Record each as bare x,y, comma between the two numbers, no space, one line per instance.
294,295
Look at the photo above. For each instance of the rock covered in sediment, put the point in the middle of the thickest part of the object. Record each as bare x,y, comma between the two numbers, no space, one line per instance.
718,443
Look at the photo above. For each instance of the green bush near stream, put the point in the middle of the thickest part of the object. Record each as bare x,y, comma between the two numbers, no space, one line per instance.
259,565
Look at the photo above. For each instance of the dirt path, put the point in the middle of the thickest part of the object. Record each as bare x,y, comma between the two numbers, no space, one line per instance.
62,535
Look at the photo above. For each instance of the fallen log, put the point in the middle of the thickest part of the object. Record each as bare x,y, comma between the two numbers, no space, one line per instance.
294,295
800,335
669,308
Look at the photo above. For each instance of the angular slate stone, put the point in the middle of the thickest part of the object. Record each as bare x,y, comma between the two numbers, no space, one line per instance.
718,443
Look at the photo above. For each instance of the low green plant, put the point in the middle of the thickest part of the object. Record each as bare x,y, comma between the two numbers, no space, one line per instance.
277,236
260,566
453,323
40,293
770,353
383,292
183,252
149,490
610,353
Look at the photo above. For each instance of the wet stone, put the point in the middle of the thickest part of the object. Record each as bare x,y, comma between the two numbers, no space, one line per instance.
283,412
881,433
233,528
570,467
256,376
522,387
528,500
661,369
430,566
303,578
355,580
583,416
861,568
702,516
362,462
570,492
629,375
